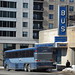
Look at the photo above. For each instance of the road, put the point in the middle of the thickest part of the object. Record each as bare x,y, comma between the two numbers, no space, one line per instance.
12,72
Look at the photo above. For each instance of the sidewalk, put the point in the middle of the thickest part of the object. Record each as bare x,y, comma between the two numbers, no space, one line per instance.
1,67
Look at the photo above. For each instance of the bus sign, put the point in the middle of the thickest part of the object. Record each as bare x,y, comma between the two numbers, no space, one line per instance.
62,20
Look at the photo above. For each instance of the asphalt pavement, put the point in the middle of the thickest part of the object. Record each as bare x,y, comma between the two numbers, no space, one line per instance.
53,72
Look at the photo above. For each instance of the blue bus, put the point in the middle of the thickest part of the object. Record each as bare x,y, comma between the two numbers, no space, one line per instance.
29,59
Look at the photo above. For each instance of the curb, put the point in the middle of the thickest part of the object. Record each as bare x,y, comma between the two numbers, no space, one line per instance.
1,68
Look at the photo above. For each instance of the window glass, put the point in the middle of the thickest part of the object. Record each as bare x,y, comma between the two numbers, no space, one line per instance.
51,0
35,35
71,8
25,24
25,5
5,13
50,25
8,14
50,16
0,13
51,7
4,4
71,0
8,46
62,0
25,34
0,23
8,33
7,4
4,24
0,3
20,54
25,14
24,46
7,24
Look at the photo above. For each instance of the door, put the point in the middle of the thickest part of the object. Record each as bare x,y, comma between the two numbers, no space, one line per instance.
73,56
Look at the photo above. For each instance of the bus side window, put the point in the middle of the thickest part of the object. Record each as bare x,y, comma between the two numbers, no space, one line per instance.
32,53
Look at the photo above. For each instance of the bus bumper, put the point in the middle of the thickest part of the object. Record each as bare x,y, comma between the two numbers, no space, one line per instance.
46,67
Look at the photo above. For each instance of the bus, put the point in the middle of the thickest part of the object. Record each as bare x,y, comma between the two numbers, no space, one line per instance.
29,59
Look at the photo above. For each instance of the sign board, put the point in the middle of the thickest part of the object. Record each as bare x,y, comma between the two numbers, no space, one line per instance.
60,39
61,45
45,45
62,20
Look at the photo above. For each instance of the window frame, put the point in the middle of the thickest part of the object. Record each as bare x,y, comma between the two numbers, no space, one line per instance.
50,27
25,5
51,7
71,0
50,16
24,34
25,14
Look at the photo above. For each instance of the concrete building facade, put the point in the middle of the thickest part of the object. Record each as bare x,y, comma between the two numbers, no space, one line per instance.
20,23
16,25
51,12
51,21
67,52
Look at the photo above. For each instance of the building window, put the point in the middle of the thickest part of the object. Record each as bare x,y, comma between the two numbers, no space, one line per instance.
62,0
25,34
71,8
25,5
72,17
36,35
25,14
70,25
10,24
7,4
51,0
71,0
9,46
25,24
24,46
8,33
8,14
50,26
51,7
50,16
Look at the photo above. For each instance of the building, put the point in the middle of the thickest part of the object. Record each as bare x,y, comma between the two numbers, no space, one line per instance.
51,12
37,18
62,51
20,23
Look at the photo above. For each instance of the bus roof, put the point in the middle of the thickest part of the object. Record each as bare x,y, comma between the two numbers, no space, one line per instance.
19,49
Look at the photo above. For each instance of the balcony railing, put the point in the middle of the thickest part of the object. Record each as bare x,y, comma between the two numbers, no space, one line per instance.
38,28
41,9
38,0
35,37
35,18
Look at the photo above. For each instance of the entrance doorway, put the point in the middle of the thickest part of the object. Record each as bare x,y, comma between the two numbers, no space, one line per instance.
73,56
57,55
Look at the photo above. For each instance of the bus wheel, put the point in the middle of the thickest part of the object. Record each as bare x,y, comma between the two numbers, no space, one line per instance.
25,67
7,68
29,68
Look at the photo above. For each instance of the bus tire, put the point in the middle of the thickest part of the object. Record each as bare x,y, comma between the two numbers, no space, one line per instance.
29,68
25,67
7,68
